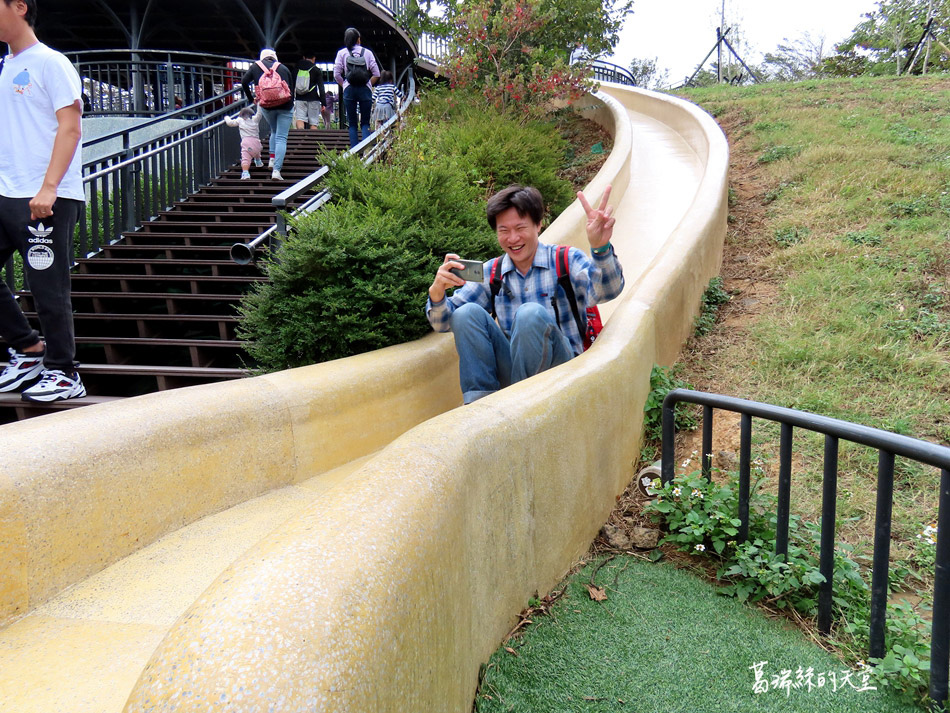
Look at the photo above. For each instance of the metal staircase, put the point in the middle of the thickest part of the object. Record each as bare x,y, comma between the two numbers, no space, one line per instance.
157,309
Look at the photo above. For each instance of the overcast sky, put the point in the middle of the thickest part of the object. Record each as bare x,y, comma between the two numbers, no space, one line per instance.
680,32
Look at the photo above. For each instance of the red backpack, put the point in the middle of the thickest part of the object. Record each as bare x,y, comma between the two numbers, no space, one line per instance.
271,89
588,330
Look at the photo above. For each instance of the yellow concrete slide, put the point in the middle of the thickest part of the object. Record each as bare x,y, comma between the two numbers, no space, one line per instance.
343,537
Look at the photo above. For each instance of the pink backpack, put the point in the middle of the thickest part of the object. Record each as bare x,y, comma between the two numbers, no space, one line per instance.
271,89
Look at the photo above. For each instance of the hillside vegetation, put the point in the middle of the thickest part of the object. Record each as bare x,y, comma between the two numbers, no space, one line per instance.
838,264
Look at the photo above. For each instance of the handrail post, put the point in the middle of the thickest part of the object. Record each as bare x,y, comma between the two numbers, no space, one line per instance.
667,444
882,551
783,510
706,456
745,467
826,564
126,194
940,629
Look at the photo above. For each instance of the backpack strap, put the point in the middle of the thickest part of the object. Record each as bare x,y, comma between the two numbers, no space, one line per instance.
265,69
494,282
564,280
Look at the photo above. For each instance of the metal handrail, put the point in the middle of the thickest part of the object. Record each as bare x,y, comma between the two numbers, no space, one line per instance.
609,72
372,146
888,445
235,94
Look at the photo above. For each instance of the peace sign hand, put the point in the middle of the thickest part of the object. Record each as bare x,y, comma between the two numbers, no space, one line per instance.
600,222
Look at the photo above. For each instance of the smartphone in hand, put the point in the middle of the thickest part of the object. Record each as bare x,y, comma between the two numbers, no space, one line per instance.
472,272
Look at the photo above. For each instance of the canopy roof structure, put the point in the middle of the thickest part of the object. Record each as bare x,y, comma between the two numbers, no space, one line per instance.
238,28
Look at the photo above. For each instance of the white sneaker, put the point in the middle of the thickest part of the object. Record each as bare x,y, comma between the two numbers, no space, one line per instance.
258,163
55,385
270,164
245,175
275,174
23,369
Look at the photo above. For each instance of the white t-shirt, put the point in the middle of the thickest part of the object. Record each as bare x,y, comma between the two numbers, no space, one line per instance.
34,85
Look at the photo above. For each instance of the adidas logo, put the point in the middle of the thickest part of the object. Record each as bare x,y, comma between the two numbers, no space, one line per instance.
40,234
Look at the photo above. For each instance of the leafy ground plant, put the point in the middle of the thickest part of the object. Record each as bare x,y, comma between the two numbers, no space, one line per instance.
699,515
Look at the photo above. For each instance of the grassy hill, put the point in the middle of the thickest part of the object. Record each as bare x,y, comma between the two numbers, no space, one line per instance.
838,262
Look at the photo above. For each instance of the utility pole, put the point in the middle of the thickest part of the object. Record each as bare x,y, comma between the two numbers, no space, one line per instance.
719,31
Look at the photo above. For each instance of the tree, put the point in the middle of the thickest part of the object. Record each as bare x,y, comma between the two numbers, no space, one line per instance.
517,52
647,75
794,60
883,43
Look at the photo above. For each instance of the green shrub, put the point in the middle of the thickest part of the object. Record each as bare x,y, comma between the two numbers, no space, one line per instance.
662,382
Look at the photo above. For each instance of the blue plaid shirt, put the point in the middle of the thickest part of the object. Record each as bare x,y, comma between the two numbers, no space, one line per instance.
596,279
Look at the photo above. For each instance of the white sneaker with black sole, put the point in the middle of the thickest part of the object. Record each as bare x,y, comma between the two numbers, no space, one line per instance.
275,174
22,370
55,385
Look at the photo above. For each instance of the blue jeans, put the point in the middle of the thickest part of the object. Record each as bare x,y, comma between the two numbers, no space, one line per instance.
488,361
279,121
354,97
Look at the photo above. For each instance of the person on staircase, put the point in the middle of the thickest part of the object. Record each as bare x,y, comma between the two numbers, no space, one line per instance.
309,93
248,123
41,196
278,117
356,70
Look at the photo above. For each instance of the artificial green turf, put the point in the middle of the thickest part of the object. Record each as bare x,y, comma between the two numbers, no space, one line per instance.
664,641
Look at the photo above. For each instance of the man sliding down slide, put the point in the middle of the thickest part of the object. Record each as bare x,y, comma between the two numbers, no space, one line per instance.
536,327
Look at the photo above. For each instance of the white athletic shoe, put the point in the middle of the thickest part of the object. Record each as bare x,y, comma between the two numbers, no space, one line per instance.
258,163
245,175
55,385
23,369
275,174
270,163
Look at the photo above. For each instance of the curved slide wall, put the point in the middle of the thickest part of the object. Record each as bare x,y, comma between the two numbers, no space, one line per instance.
388,593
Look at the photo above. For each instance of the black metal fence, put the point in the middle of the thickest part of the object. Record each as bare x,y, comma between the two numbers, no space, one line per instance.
152,82
609,72
889,445
130,185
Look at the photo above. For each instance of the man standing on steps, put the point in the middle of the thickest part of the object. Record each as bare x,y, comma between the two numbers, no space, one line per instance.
309,93
41,194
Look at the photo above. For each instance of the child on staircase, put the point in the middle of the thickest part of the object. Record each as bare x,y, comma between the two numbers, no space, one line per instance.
248,123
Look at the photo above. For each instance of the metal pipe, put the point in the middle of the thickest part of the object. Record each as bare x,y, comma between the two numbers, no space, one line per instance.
783,511
940,629
706,455
882,551
745,468
826,558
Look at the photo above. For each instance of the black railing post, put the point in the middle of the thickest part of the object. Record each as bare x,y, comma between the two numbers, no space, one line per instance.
668,446
882,551
126,195
940,631
783,510
707,442
826,564
745,467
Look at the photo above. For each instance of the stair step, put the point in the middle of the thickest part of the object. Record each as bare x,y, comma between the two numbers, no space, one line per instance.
165,342
170,251
162,370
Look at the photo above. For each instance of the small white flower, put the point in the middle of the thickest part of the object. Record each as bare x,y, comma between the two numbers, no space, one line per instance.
700,548
697,493
677,492
645,481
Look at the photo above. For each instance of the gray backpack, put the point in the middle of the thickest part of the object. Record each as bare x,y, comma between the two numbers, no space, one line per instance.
357,71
